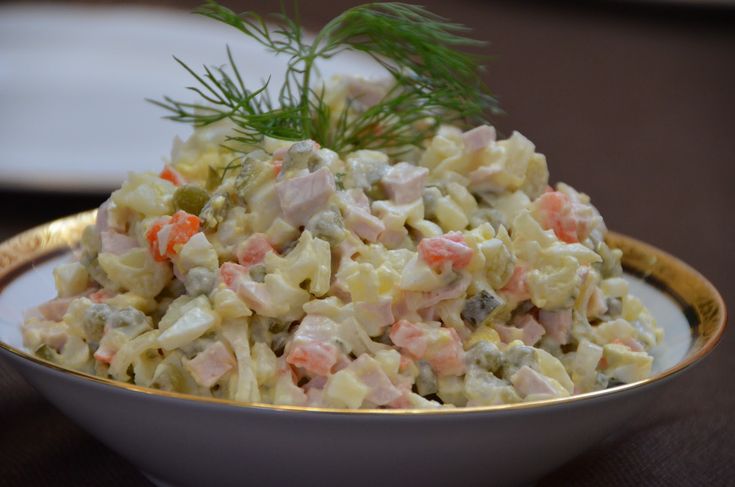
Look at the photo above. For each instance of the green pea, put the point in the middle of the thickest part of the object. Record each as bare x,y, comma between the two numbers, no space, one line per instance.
190,198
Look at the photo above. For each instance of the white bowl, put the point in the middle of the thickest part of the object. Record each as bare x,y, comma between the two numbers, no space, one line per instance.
184,440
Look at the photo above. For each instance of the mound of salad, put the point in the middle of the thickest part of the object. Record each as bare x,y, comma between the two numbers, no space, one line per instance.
260,266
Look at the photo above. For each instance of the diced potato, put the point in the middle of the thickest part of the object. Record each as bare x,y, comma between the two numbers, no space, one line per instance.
137,271
483,333
550,366
71,279
450,215
344,389
147,194
418,276
228,305
614,287
390,362
198,252
363,283
189,327
626,365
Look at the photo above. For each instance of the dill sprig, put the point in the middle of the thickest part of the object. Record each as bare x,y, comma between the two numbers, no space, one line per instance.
434,79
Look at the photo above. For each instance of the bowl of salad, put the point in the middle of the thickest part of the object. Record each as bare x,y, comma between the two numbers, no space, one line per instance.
356,276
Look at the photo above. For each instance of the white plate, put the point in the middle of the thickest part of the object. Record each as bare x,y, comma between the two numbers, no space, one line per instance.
73,83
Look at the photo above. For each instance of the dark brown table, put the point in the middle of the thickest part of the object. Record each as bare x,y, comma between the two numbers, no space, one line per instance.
632,103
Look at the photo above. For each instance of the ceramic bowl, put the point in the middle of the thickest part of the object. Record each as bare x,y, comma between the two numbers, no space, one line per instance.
181,440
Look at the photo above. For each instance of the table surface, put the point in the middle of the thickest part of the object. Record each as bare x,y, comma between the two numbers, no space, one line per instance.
632,103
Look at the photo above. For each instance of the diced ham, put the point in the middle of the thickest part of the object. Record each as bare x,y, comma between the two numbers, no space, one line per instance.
210,365
484,178
449,358
303,196
312,348
363,223
558,324
380,389
253,250
355,197
103,218
55,309
395,230
441,347
532,330
116,243
404,182
527,382
254,294
478,138
508,333
525,328
379,313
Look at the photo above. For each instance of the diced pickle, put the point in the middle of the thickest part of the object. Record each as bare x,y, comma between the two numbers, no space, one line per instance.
515,358
485,355
190,198
199,280
214,211
477,308
257,272
95,318
327,225
375,192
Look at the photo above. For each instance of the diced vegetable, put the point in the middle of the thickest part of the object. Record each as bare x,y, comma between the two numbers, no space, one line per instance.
448,249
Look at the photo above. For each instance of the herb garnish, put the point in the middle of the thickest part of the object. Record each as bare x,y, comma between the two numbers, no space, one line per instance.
435,81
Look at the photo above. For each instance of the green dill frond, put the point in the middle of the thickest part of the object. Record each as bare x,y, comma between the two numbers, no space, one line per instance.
434,80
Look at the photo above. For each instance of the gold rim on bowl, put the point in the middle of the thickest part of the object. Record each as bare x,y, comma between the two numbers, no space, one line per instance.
700,302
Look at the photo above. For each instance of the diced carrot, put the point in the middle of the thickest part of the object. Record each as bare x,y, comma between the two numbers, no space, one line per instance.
277,166
557,214
170,174
253,250
152,237
409,337
229,272
185,225
181,227
449,358
436,251
315,357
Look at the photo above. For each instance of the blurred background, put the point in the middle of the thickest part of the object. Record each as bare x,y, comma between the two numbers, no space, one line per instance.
632,102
